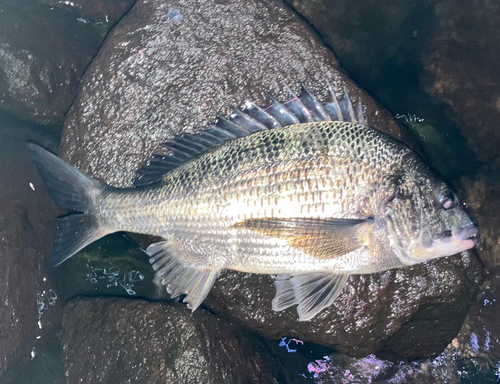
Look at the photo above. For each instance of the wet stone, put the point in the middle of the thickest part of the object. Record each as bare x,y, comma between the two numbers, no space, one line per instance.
119,341
112,266
30,306
159,75
471,357
461,71
45,46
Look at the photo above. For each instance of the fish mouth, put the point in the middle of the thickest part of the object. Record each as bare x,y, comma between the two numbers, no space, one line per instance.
460,240
467,237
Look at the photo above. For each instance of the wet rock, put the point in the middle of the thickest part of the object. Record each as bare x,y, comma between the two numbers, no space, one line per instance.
45,46
482,193
471,357
30,309
158,75
370,40
410,312
342,369
112,266
118,341
170,69
461,65
18,317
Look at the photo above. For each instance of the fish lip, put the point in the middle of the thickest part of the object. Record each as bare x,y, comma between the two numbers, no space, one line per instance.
468,236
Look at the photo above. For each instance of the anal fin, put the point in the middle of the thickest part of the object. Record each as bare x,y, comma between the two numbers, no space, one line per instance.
311,291
178,277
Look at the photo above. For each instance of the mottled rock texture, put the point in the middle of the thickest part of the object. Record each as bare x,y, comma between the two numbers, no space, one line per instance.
462,71
483,197
471,357
45,46
170,68
27,229
156,77
122,341
380,45
410,312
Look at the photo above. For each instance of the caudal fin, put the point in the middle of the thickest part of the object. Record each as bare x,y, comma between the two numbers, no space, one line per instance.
71,189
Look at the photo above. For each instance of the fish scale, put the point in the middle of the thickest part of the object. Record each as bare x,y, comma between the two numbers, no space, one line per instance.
190,203
271,190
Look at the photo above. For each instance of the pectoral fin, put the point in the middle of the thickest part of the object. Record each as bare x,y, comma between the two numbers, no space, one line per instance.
320,238
312,292
171,264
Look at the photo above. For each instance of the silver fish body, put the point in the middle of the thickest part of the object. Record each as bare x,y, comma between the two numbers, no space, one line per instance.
312,202
318,170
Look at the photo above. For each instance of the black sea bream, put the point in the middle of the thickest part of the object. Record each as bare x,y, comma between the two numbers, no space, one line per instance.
303,189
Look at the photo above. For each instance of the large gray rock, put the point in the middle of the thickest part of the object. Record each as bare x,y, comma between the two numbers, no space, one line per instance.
45,46
371,40
121,341
461,71
410,312
171,68
471,357
30,312
168,69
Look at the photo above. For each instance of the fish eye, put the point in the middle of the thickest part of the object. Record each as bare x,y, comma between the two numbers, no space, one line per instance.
447,199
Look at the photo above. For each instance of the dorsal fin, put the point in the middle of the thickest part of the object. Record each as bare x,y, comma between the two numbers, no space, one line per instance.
305,108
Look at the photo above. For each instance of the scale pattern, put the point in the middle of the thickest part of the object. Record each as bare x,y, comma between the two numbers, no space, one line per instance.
314,170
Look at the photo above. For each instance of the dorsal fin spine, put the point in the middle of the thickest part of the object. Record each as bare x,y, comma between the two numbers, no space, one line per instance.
349,109
249,118
270,119
335,104
297,106
299,109
304,92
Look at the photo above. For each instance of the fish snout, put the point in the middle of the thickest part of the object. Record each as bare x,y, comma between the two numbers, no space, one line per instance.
468,236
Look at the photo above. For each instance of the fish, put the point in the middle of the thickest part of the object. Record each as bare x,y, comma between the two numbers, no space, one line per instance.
303,189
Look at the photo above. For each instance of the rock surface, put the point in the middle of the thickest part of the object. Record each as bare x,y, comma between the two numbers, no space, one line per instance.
483,197
410,312
374,41
471,357
170,69
30,310
45,46
461,64
120,341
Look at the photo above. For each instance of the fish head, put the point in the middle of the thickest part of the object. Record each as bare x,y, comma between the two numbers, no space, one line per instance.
426,220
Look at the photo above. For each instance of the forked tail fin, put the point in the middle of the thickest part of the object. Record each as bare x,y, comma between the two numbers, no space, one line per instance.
71,189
